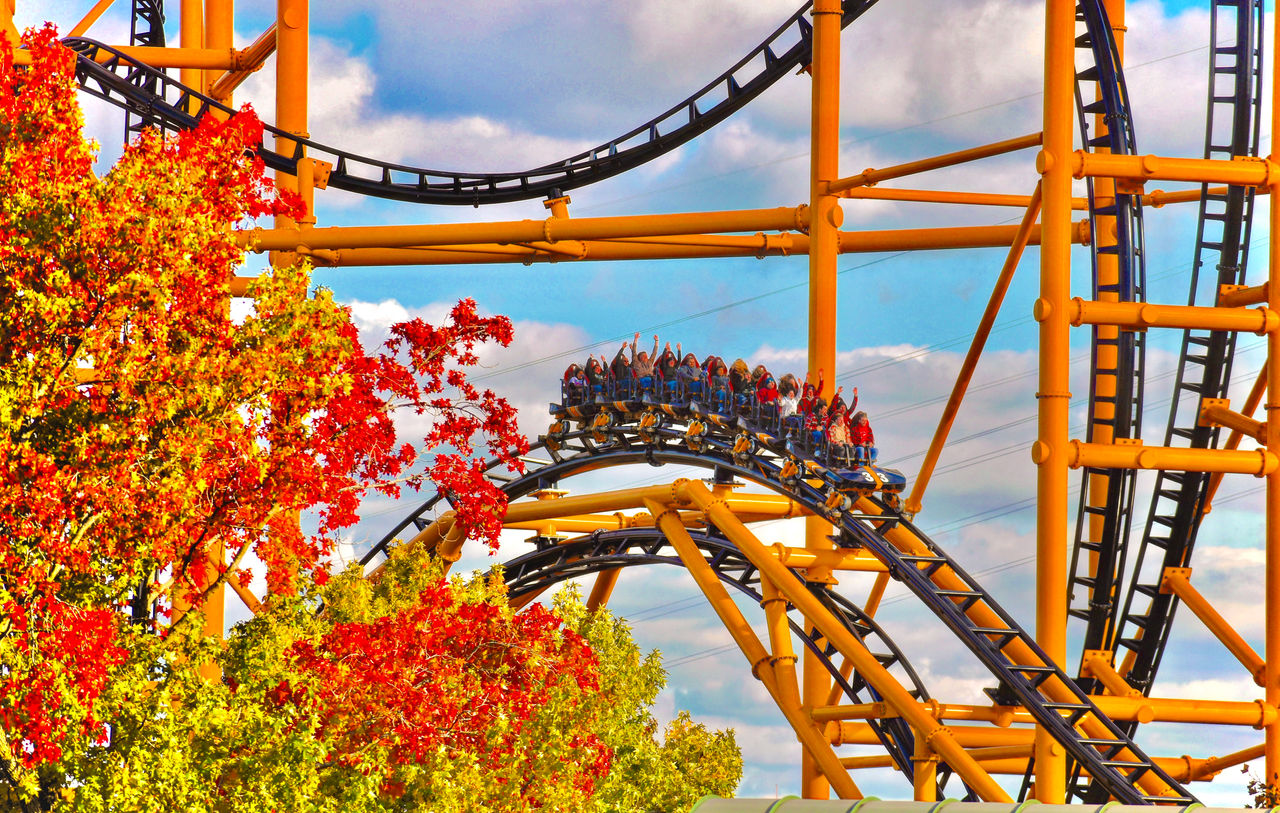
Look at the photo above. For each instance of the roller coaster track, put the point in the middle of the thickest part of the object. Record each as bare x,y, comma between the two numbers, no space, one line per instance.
1115,407
554,562
152,95
1104,750
985,628
1204,368
1116,385
146,28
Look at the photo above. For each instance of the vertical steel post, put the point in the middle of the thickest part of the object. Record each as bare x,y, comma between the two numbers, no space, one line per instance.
1271,682
191,35
1049,451
8,29
291,102
291,84
824,251
219,33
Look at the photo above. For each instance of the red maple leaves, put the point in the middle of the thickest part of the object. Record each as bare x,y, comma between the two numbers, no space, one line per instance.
141,428
444,673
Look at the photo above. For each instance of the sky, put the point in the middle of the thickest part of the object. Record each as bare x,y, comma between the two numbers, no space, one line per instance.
487,87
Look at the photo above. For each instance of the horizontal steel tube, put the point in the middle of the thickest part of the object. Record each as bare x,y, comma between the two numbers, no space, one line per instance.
1237,172
1142,315
1258,462
1239,296
526,231
873,176
1212,413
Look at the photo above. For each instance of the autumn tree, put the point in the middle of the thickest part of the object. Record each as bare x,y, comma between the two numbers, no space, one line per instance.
145,435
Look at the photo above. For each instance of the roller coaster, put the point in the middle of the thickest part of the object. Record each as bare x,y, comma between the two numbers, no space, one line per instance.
1069,734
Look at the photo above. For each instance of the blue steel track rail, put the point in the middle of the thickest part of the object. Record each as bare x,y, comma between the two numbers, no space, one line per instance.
1097,560
1097,563
737,449
151,94
1204,367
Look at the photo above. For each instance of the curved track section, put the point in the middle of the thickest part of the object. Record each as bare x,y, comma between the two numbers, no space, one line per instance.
1204,369
602,551
152,95
632,432
1116,386
1104,518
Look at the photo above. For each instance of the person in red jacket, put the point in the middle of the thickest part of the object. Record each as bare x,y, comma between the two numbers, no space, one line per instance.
809,393
815,422
863,439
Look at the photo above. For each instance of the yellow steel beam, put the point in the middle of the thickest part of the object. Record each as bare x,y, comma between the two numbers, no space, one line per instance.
589,503
1158,197
846,643
1134,455
249,599
1012,760
1271,584
1215,765
966,737
550,229
90,18
251,59
8,29
1239,296
602,588
668,248
1239,171
924,778
1097,664
1177,580
947,196
1143,315
783,662
877,593
1217,412
1054,394
292,72
970,363
219,33
191,41
1138,709
1250,406
600,234
869,177
811,737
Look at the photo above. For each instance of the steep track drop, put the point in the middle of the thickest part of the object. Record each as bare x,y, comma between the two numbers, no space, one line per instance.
955,597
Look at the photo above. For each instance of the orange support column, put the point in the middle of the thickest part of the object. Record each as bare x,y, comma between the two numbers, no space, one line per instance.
291,84
8,29
219,33
191,35
1049,451
1271,674
824,252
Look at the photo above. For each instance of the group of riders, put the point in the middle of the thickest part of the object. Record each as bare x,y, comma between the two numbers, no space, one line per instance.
791,408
